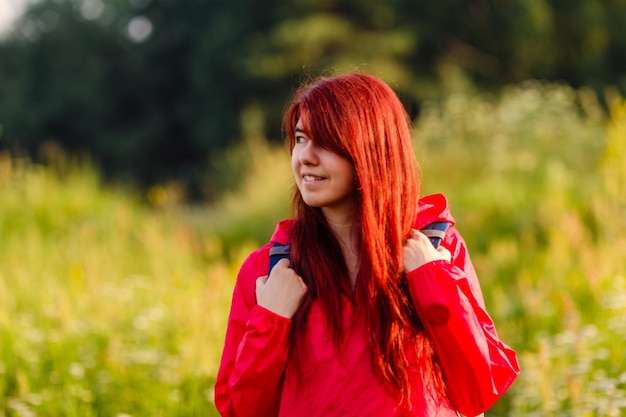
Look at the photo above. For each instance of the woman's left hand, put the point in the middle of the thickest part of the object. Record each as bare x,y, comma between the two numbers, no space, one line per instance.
418,250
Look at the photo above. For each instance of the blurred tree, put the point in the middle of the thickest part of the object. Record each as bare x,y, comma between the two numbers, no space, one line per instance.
155,90
148,88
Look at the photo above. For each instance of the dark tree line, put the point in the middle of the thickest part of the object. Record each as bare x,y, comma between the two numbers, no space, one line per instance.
156,90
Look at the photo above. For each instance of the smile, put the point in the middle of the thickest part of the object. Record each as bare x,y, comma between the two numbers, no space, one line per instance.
311,178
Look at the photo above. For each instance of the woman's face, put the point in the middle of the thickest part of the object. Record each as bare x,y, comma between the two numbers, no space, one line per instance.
325,179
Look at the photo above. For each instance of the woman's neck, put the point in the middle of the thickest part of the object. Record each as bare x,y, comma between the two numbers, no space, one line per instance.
342,226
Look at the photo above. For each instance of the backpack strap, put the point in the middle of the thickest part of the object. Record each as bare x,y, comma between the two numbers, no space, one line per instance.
277,252
436,231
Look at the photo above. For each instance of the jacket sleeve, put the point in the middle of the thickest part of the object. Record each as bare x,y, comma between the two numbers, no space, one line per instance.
255,353
477,366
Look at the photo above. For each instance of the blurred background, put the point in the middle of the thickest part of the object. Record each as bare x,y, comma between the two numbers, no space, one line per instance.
141,160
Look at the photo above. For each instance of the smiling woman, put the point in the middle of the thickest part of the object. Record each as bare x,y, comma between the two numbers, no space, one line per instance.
367,318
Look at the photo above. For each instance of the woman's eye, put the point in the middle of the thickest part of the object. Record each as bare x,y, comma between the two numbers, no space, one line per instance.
300,139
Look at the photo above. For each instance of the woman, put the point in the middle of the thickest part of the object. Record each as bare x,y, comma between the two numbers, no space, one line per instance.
366,318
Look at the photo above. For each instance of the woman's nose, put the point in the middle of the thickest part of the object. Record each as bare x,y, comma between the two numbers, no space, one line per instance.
308,154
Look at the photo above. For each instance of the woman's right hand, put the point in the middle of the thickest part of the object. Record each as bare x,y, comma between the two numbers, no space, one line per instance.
282,291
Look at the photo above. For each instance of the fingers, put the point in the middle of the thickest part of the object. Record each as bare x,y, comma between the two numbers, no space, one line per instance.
282,292
283,263
418,235
419,250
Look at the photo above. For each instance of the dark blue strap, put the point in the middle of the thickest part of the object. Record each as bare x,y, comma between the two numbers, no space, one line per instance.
277,252
436,231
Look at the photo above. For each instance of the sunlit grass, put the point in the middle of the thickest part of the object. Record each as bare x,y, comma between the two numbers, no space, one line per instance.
106,308
537,179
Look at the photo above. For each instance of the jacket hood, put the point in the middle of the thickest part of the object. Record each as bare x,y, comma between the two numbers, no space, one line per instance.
432,208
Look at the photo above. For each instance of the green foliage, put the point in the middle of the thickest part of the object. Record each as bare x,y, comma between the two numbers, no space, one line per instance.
248,213
155,90
150,109
537,188
525,150
106,308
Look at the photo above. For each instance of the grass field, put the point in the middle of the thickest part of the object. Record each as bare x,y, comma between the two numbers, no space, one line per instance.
113,307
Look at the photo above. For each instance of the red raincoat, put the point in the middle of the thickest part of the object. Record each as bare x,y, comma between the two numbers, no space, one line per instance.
257,377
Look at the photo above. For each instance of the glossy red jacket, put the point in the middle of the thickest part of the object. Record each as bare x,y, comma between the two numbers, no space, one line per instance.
257,377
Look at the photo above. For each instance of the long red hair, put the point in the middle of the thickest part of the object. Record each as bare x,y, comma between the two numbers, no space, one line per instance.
359,117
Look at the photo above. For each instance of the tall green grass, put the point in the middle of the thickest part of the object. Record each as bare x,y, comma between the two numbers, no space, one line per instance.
106,308
537,181
111,308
